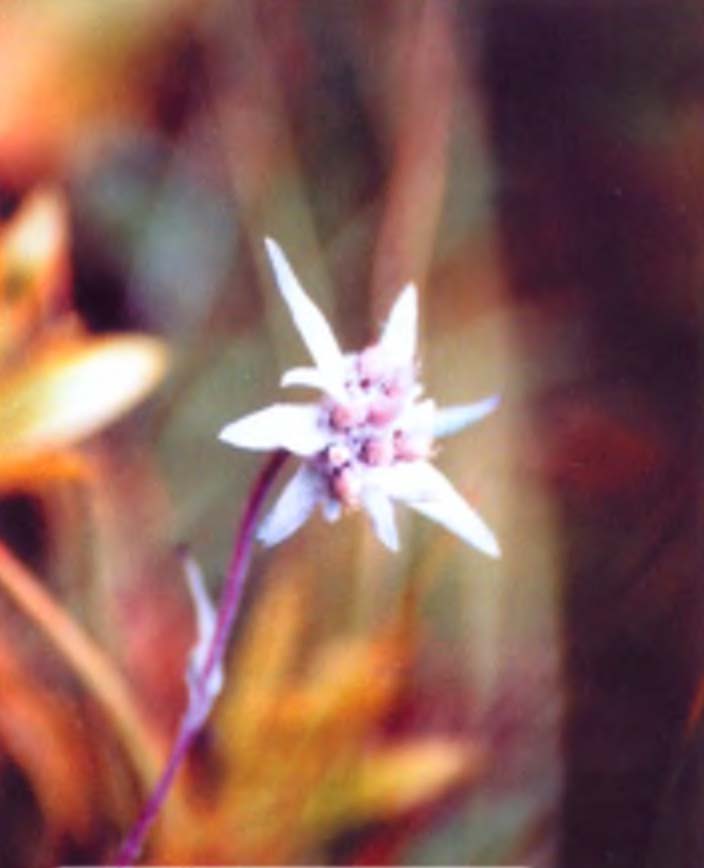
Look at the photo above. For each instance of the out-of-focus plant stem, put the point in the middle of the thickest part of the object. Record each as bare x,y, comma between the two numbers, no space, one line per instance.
228,609
93,667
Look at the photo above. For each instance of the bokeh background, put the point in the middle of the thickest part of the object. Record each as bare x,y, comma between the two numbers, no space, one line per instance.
538,169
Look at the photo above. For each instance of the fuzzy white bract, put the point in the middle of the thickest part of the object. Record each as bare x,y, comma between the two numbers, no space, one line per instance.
368,441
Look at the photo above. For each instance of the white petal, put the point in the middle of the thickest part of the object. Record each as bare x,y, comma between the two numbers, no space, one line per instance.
419,417
450,420
332,509
398,339
425,489
294,427
201,694
292,509
313,378
310,322
381,512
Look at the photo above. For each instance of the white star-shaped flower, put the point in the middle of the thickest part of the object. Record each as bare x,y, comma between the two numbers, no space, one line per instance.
368,441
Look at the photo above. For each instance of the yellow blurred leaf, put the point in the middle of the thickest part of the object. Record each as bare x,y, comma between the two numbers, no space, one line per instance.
70,390
264,663
33,267
398,778
299,736
353,681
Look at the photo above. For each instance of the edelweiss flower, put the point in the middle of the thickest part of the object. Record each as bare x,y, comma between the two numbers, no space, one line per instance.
368,441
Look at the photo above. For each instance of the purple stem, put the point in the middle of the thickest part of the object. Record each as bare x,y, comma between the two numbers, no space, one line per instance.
230,603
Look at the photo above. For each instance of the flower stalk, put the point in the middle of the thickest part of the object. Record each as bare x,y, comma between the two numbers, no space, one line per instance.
204,683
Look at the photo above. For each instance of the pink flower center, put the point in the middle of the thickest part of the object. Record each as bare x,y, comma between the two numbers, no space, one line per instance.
378,451
368,428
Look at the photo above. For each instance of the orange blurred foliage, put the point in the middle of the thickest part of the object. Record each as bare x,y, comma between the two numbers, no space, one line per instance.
299,744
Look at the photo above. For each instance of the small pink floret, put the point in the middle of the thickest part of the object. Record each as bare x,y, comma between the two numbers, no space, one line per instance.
338,455
346,416
385,408
346,487
378,451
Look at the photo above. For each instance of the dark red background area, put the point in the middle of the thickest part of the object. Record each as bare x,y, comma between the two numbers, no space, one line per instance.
594,109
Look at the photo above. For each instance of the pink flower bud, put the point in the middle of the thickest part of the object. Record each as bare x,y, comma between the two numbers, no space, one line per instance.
346,487
385,408
338,455
378,451
346,416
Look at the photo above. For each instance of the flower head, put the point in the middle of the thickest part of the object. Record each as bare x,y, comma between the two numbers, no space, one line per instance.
368,441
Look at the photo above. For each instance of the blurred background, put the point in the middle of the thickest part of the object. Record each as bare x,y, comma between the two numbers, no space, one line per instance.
538,169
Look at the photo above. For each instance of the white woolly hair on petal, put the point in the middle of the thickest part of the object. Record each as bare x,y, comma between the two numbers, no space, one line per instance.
450,420
419,417
314,378
293,507
310,322
399,337
294,427
381,512
422,487
308,377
